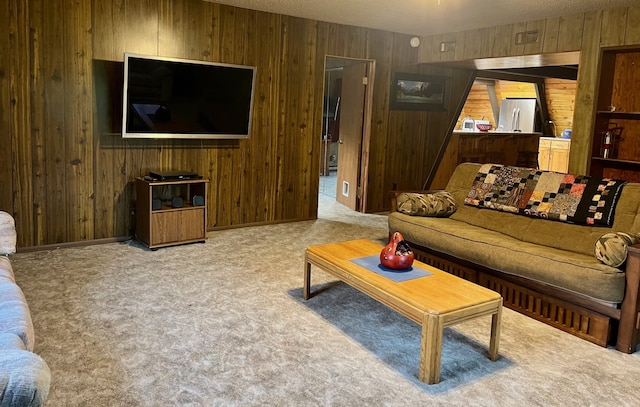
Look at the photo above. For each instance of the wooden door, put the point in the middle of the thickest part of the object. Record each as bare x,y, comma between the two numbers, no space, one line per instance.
352,105
559,160
544,155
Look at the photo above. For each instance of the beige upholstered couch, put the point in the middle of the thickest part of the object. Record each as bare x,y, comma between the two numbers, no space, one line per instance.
24,376
544,269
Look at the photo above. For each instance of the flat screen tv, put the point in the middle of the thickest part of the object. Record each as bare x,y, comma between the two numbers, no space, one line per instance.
179,98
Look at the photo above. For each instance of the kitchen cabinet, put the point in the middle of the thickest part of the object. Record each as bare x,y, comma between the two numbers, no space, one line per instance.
553,154
617,118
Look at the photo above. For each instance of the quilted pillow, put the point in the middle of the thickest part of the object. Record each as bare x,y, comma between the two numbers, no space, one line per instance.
611,248
438,204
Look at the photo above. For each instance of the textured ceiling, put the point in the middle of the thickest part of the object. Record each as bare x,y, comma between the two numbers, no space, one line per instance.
423,17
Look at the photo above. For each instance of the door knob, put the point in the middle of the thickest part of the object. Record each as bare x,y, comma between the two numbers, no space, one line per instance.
339,141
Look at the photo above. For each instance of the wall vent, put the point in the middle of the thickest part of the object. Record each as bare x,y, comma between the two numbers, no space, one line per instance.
526,37
447,46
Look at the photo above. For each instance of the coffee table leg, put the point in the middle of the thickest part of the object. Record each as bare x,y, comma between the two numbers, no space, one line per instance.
494,342
431,349
306,289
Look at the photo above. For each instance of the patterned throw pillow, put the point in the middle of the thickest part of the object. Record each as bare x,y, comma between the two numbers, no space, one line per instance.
438,204
611,248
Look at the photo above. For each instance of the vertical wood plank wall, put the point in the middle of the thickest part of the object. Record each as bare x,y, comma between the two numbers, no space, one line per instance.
586,32
66,173
6,142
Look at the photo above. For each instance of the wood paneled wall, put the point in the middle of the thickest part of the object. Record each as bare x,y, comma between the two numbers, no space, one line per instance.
6,145
587,33
66,173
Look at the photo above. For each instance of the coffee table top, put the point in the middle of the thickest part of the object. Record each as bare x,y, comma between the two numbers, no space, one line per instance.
438,293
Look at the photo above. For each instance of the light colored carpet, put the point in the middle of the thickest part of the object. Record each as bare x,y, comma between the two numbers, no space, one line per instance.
224,324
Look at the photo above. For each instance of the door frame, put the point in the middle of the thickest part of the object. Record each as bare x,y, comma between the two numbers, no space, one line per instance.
363,176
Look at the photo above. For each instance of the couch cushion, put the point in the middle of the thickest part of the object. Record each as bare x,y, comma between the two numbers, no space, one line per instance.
575,272
10,341
565,236
14,314
7,234
25,379
6,272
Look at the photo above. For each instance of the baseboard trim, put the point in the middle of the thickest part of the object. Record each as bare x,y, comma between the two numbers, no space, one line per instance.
81,243
265,223
125,238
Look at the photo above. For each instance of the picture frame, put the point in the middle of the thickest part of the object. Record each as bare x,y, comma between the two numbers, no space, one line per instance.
414,91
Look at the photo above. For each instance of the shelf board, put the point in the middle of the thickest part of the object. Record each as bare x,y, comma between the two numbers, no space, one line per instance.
614,161
169,208
620,115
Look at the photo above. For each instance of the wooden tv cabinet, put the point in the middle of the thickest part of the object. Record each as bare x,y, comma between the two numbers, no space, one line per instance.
169,225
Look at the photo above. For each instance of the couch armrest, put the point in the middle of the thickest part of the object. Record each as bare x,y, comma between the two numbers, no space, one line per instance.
7,234
25,379
628,333
394,196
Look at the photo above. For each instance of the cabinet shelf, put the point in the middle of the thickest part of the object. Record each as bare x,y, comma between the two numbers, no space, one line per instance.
614,161
620,115
166,207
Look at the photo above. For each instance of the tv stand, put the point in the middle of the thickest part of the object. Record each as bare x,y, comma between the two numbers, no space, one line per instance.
161,222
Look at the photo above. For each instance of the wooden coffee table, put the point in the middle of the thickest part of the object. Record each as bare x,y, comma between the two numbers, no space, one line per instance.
434,301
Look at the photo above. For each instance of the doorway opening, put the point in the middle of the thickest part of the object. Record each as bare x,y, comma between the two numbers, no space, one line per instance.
346,124
551,79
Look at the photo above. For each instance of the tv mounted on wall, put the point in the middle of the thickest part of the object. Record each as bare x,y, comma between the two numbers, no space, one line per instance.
180,98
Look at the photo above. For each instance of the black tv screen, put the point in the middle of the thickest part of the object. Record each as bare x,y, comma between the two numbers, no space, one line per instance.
179,98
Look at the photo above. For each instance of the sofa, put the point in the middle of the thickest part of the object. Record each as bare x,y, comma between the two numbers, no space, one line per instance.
554,271
24,376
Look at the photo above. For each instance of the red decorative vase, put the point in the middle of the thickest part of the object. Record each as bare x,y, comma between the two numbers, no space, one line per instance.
397,255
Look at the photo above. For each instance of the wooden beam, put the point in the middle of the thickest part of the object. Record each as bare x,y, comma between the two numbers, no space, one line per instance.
541,95
458,97
493,99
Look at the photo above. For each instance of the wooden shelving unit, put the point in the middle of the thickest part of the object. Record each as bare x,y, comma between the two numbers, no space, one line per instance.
618,106
169,225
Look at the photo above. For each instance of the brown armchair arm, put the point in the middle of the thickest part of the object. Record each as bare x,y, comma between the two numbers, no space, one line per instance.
628,332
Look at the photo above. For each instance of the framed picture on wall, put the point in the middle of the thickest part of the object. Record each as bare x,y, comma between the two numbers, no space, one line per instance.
413,91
